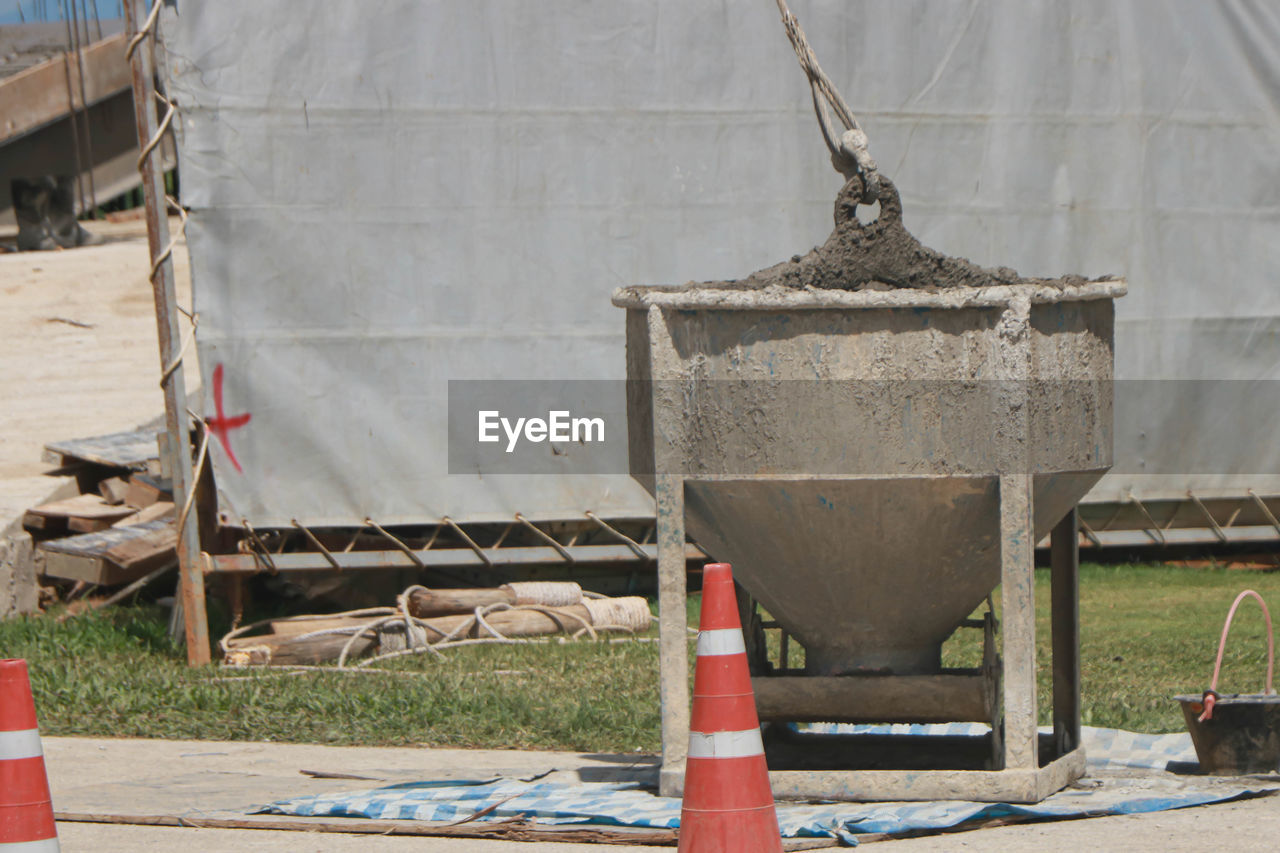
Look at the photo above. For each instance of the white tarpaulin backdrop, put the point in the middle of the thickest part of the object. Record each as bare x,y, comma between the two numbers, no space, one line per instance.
385,196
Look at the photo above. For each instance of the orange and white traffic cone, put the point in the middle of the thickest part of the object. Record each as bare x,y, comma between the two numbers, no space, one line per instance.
728,805
26,812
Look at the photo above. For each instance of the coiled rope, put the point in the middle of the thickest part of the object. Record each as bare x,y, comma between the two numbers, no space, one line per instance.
400,633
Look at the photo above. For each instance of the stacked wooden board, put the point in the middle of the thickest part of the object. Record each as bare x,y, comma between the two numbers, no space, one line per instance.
121,526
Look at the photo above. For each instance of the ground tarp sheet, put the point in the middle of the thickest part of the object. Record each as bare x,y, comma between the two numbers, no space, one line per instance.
630,804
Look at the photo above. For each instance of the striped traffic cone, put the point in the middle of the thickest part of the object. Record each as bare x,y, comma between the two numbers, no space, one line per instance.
728,805
26,812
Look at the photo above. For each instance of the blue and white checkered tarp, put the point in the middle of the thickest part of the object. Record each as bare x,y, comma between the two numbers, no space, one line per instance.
1106,749
630,804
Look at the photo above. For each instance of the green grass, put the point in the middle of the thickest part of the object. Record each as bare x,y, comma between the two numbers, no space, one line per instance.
1150,633
1147,634
114,673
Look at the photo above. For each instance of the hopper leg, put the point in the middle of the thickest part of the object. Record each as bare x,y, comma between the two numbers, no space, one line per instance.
1018,622
1064,548
673,649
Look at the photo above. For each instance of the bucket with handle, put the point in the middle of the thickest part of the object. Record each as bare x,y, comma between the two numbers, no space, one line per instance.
1236,733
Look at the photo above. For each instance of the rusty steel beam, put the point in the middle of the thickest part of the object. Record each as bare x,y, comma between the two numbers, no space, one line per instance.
942,698
1139,538
441,558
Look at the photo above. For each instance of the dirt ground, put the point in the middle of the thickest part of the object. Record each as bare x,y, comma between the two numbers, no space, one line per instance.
78,349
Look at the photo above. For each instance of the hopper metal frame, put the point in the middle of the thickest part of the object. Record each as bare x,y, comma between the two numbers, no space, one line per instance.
1016,742
1022,779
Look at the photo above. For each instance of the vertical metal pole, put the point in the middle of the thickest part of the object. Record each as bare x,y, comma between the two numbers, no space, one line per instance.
1064,561
191,579
673,629
84,103
72,112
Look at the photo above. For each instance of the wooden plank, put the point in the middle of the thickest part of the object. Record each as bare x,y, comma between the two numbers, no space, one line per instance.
89,568
113,556
292,628
113,489
117,450
514,829
145,490
85,507
87,525
101,544
59,462
43,523
292,650
442,602
156,544
39,95
158,510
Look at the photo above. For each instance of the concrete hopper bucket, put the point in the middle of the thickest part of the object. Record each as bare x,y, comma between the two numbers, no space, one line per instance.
844,450
874,461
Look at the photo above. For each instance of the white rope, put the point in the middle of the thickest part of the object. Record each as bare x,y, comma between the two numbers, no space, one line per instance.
143,31
182,350
201,455
631,613
549,593
167,252
400,633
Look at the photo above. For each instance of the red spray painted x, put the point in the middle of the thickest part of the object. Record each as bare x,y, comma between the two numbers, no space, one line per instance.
220,424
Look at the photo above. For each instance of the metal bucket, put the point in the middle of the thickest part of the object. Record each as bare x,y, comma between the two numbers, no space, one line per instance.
1236,733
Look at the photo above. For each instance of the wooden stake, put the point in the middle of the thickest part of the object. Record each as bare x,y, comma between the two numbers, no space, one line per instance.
512,830
443,602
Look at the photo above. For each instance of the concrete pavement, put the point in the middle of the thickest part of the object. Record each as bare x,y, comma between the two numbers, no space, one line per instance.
211,779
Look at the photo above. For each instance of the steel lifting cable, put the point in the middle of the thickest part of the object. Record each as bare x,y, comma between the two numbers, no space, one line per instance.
849,154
